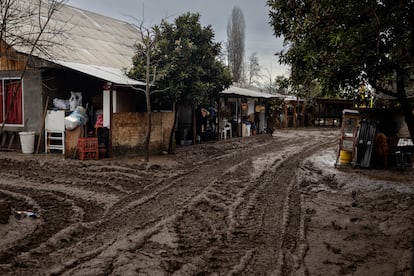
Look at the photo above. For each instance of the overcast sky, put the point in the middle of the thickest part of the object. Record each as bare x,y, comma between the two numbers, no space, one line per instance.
259,34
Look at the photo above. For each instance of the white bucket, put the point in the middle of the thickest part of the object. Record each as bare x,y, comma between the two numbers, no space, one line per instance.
27,140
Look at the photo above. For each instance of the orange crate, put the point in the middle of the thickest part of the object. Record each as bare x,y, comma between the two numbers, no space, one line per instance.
89,155
87,144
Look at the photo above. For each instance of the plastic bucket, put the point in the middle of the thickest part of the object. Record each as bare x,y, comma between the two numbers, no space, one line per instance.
27,140
345,157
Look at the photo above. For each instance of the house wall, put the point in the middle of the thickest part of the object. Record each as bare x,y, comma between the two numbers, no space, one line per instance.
128,133
33,101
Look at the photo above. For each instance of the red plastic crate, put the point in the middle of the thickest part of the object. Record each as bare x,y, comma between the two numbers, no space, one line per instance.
89,155
88,144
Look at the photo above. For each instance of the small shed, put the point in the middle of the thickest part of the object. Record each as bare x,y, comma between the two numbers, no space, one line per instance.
328,112
245,109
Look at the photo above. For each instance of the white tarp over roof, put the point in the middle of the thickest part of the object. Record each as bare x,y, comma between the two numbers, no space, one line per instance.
238,91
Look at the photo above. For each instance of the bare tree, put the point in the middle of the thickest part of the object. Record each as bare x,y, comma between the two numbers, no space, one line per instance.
268,84
24,28
253,69
144,53
235,42
149,67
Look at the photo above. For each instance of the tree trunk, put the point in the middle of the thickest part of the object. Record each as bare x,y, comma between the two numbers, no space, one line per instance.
149,125
149,108
194,125
302,113
405,104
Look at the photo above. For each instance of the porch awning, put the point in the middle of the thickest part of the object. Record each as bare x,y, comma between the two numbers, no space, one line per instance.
238,91
113,75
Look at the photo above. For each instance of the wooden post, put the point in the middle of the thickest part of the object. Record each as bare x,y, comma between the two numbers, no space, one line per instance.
43,125
194,125
111,110
240,128
285,119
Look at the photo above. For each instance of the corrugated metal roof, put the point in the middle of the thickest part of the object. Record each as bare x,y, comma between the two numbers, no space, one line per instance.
90,42
110,74
234,90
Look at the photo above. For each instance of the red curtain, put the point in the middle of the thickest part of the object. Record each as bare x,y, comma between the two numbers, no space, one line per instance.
13,102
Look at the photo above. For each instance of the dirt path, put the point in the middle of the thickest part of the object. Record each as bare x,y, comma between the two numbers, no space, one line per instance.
234,207
359,222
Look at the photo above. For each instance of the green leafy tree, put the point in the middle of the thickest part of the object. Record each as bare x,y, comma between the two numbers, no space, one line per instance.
185,62
282,84
333,41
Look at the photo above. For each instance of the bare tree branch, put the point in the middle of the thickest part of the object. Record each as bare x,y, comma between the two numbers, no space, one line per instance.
23,24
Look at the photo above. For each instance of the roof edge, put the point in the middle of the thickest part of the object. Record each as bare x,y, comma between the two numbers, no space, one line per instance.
110,74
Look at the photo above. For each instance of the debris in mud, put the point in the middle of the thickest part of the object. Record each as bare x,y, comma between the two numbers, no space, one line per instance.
24,214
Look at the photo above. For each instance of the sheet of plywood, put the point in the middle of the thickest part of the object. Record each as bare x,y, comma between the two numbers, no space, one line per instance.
71,142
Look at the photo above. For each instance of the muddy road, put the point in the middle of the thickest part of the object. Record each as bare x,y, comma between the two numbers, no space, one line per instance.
239,206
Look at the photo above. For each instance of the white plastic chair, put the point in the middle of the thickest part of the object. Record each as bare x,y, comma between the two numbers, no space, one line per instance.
226,128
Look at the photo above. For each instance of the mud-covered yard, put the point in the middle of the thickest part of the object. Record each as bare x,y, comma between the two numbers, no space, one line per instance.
262,205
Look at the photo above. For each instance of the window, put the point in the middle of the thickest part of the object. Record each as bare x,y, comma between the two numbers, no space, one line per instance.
11,107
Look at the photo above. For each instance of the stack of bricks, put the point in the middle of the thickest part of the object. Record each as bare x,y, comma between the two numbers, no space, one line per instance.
88,148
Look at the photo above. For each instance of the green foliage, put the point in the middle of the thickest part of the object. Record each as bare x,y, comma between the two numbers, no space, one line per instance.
333,41
185,61
282,85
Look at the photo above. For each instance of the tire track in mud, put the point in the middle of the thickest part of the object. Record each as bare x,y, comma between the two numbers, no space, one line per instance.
52,178
245,241
169,199
208,216
165,201
292,244
56,213
66,207
279,213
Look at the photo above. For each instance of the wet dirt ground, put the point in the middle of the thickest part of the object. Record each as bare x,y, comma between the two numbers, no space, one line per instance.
260,205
